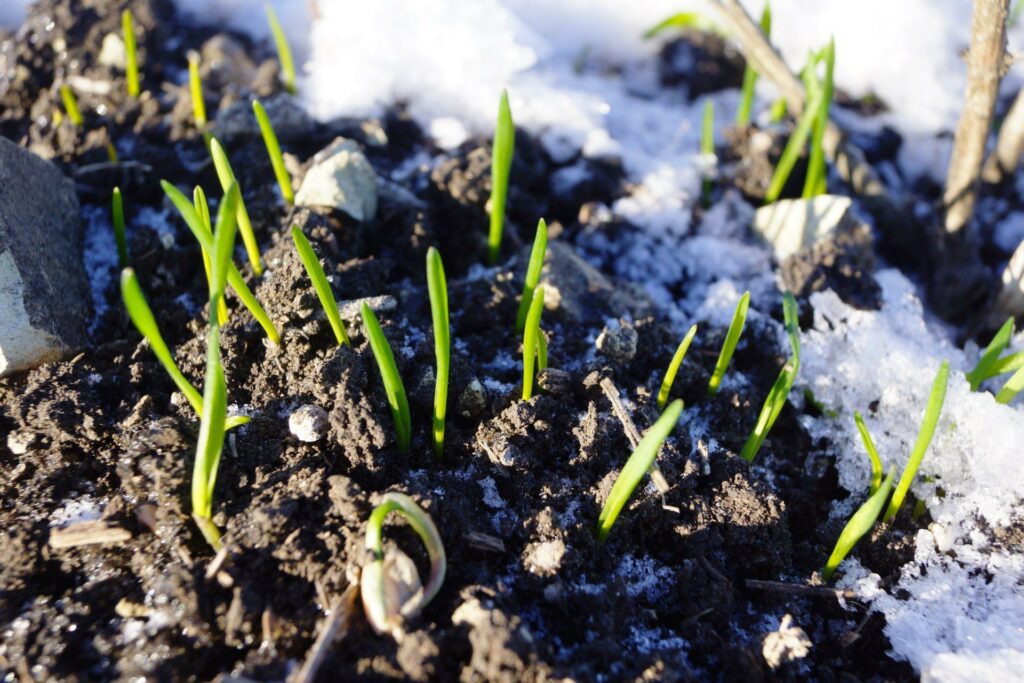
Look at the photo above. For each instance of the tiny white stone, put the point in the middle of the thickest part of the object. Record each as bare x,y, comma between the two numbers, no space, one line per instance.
308,423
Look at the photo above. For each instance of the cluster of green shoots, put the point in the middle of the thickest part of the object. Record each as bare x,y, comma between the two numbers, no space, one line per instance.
992,364
867,514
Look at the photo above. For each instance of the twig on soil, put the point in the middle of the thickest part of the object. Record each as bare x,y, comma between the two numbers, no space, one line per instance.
633,435
985,66
90,532
800,589
335,626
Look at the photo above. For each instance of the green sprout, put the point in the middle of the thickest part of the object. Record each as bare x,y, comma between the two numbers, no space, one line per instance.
388,599
132,63
750,74
71,105
203,209
284,180
226,177
501,164
1013,386
437,289
869,446
778,110
707,148
117,216
673,367
542,351
531,341
794,146
815,180
860,523
732,338
195,83
204,236
393,386
984,368
790,317
924,438
210,443
771,409
540,245
637,466
691,20
284,53
320,284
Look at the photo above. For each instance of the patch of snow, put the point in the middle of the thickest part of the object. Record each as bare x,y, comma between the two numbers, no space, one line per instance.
82,509
99,255
492,498
1009,233
644,577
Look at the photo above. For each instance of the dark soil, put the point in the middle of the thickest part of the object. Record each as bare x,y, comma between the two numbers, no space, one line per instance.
530,594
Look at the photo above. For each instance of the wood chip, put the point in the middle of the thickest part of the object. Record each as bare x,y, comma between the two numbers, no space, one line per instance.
483,541
91,532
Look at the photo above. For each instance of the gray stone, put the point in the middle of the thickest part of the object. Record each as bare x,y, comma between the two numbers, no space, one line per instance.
617,342
44,292
789,225
309,423
288,119
226,62
341,178
473,399
583,293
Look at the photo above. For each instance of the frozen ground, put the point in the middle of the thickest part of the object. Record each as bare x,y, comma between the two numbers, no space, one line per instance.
450,58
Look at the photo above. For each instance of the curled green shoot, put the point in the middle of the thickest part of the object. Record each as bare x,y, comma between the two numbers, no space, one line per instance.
637,466
533,269
131,54
117,217
284,180
869,446
859,525
393,386
227,176
501,164
673,367
320,284
771,409
732,338
984,368
924,438
531,341
204,236
284,52
707,148
815,180
388,604
437,288
794,147
203,209
750,74
71,105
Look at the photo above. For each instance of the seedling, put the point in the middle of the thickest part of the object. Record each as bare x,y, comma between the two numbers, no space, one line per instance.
636,467
226,177
986,364
771,409
320,284
205,238
815,180
542,351
673,367
203,209
1013,386
284,53
794,146
778,110
750,74
924,437
437,288
131,58
693,20
869,446
531,341
195,83
707,149
501,164
732,338
860,523
390,583
210,443
540,245
790,318
71,105
284,180
393,386
117,217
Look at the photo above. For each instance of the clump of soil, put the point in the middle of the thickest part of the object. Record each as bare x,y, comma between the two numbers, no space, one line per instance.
530,593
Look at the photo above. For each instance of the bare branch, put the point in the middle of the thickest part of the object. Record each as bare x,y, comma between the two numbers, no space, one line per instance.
1003,161
985,63
1010,300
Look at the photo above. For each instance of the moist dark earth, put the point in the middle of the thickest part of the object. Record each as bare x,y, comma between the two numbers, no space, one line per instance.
530,594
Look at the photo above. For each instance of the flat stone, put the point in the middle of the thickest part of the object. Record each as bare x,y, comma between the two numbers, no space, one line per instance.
583,293
44,292
341,178
289,120
308,423
789,225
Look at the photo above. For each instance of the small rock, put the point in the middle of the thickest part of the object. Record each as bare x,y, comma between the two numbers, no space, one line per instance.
19,442
288,119
473,399
44,292
788,643
308,423
617,341
341,178
789,225
545,558
555,381
353,308
582,293
112,53
225,62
